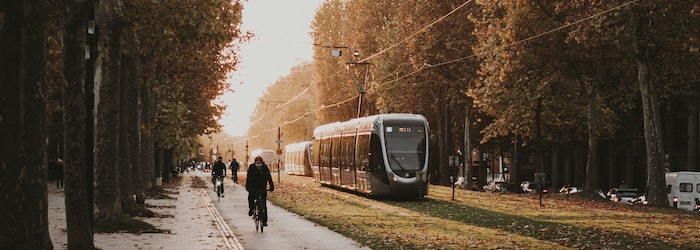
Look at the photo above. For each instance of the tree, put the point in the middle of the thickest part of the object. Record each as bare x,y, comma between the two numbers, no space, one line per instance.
522,84
334,84
185,65
596,65
79,228
23,128
107,105
289,103
651,24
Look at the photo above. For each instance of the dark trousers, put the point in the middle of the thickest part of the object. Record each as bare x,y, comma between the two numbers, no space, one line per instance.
251,202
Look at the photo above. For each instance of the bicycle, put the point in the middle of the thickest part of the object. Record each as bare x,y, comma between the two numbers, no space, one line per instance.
259,211
219,183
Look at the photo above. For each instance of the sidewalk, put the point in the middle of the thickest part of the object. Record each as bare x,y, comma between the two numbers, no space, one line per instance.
196,220
193,221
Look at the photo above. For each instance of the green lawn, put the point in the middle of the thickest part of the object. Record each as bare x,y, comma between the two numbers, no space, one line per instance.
478,220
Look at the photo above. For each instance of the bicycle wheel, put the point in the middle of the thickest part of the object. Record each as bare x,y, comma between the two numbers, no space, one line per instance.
256,218
262,213
219,188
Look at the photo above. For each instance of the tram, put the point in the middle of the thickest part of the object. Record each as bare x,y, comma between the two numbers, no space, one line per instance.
297,158
379,155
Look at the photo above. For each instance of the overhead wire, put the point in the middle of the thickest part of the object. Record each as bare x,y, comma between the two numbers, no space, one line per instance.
429,66
367,58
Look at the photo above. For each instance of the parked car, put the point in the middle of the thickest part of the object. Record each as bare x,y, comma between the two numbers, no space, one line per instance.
498,187
530,187
572,190
627,195
641,199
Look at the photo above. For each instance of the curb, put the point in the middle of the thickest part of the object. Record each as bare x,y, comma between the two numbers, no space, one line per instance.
230,239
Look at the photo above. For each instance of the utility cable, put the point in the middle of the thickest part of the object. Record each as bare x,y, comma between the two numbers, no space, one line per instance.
428,66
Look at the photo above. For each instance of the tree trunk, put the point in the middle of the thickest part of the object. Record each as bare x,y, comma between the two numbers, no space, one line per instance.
444,155
579,164
80,232
147,145
539,144
125,183
134,119
569,164
107,71
613,164
23,126
467,150
645,54
692,150
592,165
556,168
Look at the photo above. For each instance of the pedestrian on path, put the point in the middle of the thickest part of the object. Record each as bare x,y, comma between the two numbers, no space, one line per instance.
234,170
59,173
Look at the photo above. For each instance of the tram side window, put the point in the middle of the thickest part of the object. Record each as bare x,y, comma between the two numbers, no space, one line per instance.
348,146
363,152
335,152
686,187
324,154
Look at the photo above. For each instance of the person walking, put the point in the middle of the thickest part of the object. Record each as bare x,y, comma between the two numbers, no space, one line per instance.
59,173
258,178
219,170
234,170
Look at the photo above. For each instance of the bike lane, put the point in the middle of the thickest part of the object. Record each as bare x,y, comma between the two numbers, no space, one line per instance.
285,230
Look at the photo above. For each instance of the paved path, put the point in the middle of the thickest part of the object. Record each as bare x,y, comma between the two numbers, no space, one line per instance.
189,217
197,221
285,230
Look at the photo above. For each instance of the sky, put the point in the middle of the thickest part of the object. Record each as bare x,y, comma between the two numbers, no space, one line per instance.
282,40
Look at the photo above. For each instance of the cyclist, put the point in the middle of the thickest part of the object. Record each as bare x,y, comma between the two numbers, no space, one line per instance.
258,177
219,170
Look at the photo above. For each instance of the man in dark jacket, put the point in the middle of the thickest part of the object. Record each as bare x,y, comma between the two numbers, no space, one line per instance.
218,170
258,178
234,170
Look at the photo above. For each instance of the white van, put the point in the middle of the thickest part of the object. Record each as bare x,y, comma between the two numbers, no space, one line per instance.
683,189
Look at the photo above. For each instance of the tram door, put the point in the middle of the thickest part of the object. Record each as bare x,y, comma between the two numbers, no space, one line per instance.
348,162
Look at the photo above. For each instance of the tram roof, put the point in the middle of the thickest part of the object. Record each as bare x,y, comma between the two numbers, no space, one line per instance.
297,145
364,123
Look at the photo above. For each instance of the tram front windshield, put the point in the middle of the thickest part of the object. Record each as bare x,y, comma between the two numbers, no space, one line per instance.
405,147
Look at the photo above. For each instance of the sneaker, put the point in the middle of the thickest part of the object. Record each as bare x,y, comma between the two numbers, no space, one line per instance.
250,212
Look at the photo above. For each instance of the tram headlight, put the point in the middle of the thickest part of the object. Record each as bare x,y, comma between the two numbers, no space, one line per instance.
394,177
